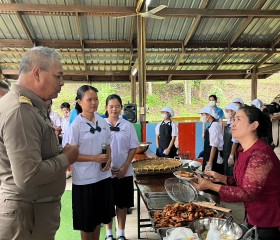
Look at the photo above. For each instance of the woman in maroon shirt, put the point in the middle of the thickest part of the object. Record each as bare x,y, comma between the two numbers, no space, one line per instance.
256,180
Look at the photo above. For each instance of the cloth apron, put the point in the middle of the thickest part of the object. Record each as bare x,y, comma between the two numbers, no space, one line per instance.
165,131
227,149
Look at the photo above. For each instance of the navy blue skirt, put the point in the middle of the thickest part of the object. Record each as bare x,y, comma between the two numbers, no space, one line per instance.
123,192
92,204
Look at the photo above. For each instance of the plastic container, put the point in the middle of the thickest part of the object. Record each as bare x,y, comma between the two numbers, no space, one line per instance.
213,233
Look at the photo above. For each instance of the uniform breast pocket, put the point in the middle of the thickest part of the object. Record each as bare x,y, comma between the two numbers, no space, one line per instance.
50,145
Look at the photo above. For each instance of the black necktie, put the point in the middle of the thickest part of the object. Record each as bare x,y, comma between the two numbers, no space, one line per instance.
115,129
92,129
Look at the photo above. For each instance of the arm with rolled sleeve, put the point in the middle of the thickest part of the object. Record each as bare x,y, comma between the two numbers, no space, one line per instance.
32,163
216,142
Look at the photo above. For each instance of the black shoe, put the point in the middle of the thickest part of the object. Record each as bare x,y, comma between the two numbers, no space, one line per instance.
121,238
109,237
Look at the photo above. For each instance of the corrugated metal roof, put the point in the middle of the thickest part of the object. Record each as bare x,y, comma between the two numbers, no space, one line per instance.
91,39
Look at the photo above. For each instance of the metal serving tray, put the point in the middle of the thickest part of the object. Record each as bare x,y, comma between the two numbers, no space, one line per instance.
157,200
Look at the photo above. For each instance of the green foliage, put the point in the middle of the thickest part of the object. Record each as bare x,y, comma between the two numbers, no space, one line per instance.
172,94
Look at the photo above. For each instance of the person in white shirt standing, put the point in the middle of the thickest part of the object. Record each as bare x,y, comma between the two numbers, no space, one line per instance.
123,146
230,143
55,120
92,193
213,141
166,134
213,144
65,109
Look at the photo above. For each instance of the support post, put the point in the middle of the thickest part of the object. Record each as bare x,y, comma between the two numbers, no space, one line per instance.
254,84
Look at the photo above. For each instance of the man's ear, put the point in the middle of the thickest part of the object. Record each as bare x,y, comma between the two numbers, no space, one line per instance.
36,73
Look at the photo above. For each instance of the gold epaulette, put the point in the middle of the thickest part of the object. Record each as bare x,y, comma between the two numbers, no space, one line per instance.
23,99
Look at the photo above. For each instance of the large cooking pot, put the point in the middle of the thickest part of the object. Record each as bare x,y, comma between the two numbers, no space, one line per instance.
201,225
143,147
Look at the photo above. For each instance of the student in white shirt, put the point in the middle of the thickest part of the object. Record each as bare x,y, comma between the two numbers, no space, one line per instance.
230,143
166,134
213,141
65,109
92,193
213,145
55,120
123,147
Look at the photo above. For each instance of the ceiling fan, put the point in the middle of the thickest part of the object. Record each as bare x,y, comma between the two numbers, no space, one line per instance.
147,14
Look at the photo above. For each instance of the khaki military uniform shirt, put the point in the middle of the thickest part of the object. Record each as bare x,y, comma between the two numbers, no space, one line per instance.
31,166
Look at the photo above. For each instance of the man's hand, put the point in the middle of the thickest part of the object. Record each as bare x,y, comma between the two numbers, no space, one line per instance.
71,151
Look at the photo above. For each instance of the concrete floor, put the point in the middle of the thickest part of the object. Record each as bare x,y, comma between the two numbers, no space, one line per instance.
148,232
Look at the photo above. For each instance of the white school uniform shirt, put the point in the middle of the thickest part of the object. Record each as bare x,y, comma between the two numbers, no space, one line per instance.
174,126
121,142
64,124
65,131
55,119
216,136
89,144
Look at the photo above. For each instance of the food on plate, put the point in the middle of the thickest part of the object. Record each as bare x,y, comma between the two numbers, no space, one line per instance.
185,174
178,215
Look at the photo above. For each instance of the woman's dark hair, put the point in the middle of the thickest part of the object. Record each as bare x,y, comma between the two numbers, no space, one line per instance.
80,94
110,97
65,105
255,114
213,96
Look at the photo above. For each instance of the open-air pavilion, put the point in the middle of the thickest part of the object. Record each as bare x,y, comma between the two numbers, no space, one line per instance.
164,40
140,41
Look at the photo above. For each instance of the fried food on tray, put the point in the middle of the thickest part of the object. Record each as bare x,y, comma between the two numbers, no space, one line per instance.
178,215
185,174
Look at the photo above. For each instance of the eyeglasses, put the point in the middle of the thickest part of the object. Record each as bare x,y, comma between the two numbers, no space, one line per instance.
92,129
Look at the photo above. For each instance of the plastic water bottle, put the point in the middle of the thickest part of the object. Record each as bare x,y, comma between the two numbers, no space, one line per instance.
103,152
213,233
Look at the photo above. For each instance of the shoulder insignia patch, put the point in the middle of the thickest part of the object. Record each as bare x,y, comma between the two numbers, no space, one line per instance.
23,99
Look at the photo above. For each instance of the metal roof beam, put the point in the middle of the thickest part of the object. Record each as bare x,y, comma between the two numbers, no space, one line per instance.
195,24
23,43
59,9
275,67
151,73
250,52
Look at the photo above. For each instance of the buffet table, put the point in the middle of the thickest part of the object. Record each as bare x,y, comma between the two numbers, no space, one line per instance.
147,184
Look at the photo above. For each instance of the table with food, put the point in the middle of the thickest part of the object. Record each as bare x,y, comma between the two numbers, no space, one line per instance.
173,203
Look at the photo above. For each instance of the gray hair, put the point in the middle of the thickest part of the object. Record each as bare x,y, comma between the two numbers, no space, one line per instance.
38,56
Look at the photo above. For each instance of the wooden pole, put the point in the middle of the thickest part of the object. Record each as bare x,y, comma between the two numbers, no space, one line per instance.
133,88
254,84
141,43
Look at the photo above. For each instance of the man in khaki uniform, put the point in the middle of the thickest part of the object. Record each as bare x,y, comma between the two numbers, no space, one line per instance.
32,166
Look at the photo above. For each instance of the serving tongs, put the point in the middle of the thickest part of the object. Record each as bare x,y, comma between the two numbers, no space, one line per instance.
228,223
210,205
